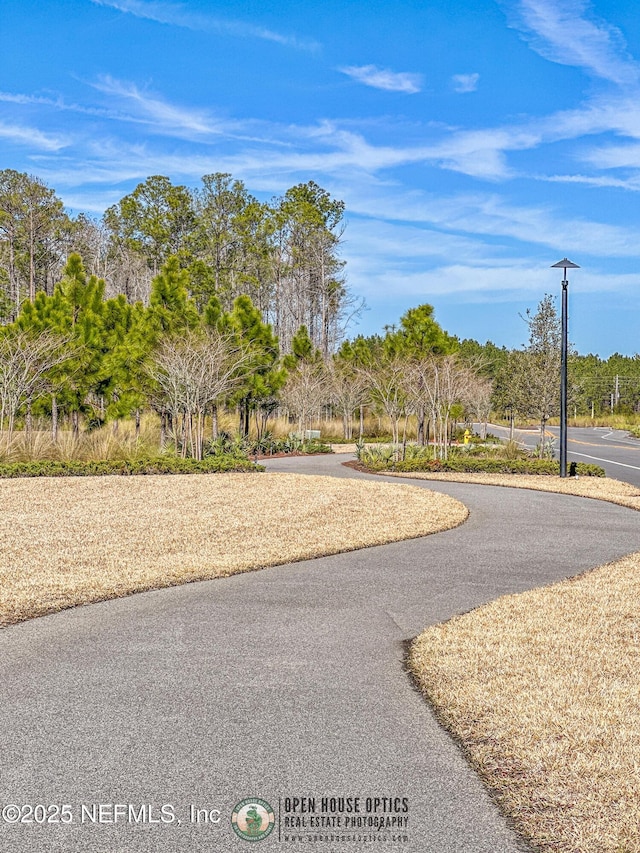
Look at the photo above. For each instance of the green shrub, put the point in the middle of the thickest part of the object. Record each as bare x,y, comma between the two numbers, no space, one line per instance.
227,444
268,445
500,459
159,465
315,446
458,464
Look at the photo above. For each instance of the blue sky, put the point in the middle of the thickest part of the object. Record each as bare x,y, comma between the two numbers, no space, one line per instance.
474,142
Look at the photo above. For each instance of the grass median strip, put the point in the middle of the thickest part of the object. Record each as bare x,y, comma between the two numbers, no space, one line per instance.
68,541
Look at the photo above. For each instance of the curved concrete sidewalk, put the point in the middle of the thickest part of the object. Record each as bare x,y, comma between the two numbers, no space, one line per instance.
274,684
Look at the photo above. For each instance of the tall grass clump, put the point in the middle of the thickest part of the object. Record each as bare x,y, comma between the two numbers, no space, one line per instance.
117,441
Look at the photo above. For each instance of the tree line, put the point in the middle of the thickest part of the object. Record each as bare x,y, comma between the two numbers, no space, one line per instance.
284,254
86,358
81,356
182,300
89,359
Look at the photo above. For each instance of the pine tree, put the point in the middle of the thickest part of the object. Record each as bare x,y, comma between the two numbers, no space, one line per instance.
155,221
82,301
302,350
125,382
419,334
264,375
171,310
75,312
31,220
309,286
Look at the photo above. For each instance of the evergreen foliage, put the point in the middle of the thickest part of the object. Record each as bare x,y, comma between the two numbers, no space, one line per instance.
282,255
125,467
264,376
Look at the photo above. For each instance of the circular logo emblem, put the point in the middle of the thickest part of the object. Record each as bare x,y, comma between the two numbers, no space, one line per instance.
253,819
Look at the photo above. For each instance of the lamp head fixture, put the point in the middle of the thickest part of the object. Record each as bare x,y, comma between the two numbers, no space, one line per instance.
565,264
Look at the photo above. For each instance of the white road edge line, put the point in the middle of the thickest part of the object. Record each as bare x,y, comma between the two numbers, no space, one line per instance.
608,461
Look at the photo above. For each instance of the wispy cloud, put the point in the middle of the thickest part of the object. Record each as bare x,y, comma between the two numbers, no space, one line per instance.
456,279
30,137
180,16
517,280
58,103
333,148
465,82
491,215
566,32
354,165
632,183
130,103
157,110
615,156
336,151
411,243
383,78
28,100
290,152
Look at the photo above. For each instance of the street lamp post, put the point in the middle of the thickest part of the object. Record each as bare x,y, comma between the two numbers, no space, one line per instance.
564,264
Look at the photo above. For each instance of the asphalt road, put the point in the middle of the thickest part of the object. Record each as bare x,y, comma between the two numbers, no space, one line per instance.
612,449
284,683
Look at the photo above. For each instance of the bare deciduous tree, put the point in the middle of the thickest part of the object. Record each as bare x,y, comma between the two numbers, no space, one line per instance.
438,382
386,380
478,400
454,382
348,390
192,374
305,391
25,361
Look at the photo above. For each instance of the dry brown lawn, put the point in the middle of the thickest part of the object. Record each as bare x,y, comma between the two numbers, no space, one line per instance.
542,690
67,541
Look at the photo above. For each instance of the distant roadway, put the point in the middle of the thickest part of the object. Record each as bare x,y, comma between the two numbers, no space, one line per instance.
612,449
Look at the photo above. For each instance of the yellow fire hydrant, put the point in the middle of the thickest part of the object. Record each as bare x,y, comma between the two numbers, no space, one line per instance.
467,436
